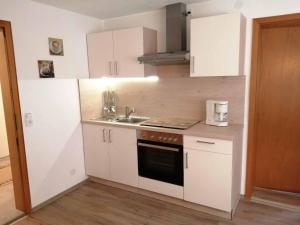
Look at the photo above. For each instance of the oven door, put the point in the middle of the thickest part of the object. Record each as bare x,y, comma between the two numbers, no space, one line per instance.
159,161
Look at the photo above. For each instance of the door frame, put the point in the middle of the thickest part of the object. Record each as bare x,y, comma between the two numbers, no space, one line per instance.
258,25
15,133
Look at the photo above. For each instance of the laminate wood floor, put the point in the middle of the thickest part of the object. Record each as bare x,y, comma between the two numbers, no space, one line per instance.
8,211
94,203
4,162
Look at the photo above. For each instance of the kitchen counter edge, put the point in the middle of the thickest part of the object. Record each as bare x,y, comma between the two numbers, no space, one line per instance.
231,133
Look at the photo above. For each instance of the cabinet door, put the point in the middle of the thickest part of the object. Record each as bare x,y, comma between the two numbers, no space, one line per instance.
96,150
207,179
128,46
215,46
100,54
123,156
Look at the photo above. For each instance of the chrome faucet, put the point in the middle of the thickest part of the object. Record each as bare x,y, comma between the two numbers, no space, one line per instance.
128,111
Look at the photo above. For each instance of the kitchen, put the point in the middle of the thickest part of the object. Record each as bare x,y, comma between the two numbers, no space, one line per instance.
147,107
175,125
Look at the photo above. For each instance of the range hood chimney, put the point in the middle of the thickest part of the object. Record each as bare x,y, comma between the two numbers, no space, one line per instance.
175,39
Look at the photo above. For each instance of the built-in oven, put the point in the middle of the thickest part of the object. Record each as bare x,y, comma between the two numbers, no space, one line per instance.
160,156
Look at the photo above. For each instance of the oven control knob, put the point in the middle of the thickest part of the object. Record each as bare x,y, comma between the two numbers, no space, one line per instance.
175,139
152,136
170,139
160,137
165,138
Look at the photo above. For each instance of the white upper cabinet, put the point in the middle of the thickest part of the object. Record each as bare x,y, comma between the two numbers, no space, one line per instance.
100,54
217,45
115,53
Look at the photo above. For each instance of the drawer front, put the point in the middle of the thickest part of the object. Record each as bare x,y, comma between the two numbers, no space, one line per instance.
208,144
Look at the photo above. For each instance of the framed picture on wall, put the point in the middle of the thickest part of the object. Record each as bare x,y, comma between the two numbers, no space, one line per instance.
56,46
46,68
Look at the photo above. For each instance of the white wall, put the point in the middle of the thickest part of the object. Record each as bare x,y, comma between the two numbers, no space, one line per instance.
250,8
33,23
154,20
3,134
53,143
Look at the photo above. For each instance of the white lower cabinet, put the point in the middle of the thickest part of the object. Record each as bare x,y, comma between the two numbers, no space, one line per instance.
111,153
211,166
208,172
96,151
123,156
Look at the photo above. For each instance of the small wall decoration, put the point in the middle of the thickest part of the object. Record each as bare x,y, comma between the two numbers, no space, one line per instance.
46,68
56,46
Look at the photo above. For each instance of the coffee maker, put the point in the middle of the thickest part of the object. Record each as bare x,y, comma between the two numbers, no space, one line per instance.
217,113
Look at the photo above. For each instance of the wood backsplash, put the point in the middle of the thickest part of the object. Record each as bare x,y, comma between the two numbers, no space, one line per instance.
173,95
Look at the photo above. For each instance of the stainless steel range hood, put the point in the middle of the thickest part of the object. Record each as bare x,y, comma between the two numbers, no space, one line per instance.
175,37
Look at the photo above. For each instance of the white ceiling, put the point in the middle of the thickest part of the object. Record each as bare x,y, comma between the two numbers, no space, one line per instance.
104,9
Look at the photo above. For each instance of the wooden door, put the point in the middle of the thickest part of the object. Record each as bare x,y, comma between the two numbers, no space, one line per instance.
100,54
12,111
123,156
216,45
128,46
277,127
207,178
96,150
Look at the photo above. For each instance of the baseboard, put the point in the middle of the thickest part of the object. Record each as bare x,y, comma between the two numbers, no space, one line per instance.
60,195
16,220
175,201
275,204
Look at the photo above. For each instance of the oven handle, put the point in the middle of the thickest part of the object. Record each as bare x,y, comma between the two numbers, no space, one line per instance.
159,147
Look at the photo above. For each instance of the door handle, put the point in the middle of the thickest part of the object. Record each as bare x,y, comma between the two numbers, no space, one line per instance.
186,160
103,135
109,136
159,147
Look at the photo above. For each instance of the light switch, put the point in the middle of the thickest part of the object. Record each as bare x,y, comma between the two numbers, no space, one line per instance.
28,119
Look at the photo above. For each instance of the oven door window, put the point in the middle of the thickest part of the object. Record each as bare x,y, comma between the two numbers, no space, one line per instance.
163,162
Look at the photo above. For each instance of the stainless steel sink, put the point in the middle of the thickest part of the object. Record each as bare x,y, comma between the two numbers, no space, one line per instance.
132,119
123,119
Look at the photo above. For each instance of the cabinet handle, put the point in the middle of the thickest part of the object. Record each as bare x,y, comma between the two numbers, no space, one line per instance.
116,68
186,161
193,64
103,135
109,64
205,142
109,136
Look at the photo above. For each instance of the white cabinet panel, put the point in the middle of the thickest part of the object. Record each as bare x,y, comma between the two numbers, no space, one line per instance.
100,54
111,153
123,156
207,179
161,187
96,149
217,45
115,53
208,144
53,142
128,45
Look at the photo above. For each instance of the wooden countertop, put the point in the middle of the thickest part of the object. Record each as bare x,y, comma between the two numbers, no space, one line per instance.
200,129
